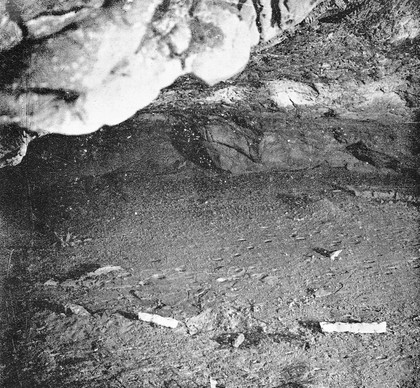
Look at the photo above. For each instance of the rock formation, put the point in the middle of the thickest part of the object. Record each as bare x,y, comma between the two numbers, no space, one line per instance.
72,66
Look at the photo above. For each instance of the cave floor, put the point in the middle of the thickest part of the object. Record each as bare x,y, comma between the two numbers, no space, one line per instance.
249,265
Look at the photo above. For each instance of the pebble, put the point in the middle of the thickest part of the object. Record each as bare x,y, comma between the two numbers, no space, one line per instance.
51,283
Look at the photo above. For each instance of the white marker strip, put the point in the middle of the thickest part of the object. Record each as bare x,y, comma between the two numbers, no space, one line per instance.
342,327
158,320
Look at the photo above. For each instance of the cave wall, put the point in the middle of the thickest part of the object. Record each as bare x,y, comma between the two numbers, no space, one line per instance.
70,67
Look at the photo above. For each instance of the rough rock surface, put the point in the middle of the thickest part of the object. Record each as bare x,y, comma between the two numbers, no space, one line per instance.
329,93
70,67
81,65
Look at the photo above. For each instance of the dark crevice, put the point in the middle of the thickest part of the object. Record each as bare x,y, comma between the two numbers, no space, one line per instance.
58,12
193,7
13,62
78,271
377,159
44,304
275,13
239,151
241,4
110,3
74,26
70,27
258,9
337,17
188,141
286,4
68,96
161,10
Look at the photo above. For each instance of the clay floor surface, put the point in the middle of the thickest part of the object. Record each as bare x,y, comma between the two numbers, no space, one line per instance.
249,265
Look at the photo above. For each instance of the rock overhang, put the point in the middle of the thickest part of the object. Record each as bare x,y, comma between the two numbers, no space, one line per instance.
114,57
82,65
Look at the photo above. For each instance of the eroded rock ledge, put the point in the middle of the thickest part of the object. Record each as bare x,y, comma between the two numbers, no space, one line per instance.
71,67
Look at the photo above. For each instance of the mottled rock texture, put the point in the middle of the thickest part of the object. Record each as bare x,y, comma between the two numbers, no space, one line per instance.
71,66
